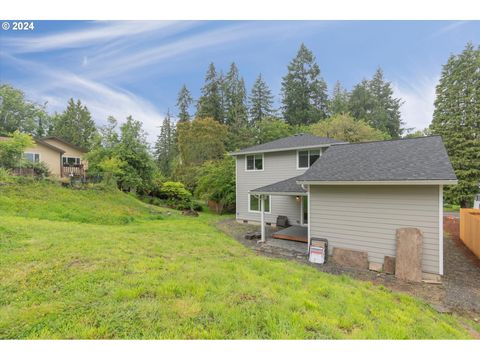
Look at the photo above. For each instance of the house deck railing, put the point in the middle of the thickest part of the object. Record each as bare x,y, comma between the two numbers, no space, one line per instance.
73,170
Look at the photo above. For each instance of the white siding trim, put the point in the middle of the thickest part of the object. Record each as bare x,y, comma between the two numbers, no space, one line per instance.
440,229
308,217
236,189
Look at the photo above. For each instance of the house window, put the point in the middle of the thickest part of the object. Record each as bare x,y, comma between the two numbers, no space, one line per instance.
71,161
254,162
254,203
33,157
306,158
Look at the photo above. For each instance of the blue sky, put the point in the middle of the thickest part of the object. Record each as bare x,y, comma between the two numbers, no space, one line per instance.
121,68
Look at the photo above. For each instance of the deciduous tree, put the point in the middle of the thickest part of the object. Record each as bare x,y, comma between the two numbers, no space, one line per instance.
345,127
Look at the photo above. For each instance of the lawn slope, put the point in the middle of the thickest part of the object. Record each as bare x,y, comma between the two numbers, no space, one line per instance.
85,275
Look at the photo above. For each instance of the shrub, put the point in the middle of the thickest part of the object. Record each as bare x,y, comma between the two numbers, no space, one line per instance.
177,196
40,169
11,150
216,182
5,176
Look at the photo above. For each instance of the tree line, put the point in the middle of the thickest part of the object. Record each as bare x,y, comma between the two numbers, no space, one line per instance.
192,143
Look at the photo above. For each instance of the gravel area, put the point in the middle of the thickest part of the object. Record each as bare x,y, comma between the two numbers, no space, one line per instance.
459,292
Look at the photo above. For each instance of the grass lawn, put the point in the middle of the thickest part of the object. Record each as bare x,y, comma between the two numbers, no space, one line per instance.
88,264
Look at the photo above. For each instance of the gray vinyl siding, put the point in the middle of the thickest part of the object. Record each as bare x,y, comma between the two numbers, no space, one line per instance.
365,218
277,166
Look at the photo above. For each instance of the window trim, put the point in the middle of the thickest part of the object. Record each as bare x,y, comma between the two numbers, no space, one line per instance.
73,157
258,211
33,153
308,150
263,162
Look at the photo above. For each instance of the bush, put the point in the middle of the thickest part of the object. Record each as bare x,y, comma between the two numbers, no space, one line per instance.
40,169
176,195
5,176
216,182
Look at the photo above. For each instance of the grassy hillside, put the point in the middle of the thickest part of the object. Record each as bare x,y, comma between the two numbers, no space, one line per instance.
67,272
42,200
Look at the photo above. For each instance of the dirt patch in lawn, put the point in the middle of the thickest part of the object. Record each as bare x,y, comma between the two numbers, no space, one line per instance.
459,292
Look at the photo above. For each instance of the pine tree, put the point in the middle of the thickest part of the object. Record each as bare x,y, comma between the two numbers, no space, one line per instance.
304,90
75,125
386,111
184,101
165,146
261,101
457,119
373,101
339,101
210,102
235,98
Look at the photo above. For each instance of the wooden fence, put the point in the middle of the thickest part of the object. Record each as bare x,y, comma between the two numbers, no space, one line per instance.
470,229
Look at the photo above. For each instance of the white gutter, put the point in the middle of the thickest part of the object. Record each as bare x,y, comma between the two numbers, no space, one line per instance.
276,193
386,182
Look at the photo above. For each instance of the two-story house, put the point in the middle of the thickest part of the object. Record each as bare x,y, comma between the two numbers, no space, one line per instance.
354,195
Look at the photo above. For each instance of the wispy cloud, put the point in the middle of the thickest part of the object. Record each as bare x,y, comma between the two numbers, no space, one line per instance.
419,97
101,32
448,28
56,86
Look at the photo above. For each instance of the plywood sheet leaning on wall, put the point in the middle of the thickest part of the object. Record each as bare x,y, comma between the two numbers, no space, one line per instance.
408,262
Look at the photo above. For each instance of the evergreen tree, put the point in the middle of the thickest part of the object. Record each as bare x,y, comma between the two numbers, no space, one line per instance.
386,111
373,101
184,101
210,102
235,98
261,101
361,102
165,146
339,101
457,119
304,90
75,125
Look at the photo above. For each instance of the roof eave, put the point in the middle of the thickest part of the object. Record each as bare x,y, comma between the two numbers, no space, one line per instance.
235,153
379,182
253,192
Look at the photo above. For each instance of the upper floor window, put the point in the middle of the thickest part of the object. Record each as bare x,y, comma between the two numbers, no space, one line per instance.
254,162
33,157
306,158
71,160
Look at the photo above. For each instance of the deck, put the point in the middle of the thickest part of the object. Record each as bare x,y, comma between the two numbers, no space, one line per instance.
293,233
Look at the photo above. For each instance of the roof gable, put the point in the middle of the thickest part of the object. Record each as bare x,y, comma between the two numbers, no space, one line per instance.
297,141
417,159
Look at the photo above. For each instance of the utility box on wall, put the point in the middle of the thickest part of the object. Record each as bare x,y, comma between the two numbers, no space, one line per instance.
318,250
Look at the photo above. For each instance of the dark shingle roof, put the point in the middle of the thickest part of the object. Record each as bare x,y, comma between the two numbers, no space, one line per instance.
292,142
422,158
284,186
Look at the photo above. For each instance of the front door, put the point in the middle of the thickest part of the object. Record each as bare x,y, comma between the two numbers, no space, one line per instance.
304,210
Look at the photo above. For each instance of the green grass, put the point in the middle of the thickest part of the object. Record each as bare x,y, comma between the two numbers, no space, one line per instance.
451,208
71,268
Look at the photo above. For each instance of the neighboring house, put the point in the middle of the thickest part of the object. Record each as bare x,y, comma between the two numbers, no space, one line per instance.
62,158
353,195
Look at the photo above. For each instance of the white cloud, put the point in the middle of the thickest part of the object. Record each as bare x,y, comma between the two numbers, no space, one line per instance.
101,32
419,97
56,86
